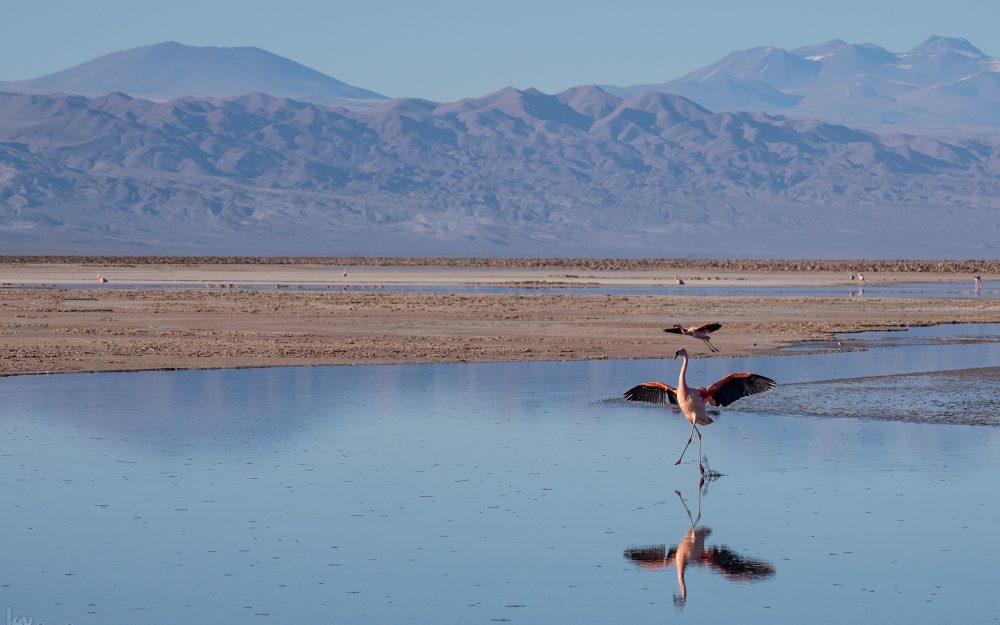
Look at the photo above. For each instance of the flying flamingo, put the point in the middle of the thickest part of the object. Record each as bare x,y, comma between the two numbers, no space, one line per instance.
692,400
698,332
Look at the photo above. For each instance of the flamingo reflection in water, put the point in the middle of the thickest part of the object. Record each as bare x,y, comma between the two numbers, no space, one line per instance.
693,550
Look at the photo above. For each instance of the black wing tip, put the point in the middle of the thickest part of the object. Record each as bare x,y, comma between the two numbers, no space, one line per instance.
673,330
765,381
650,395
750,385
712,327
759,384
637,391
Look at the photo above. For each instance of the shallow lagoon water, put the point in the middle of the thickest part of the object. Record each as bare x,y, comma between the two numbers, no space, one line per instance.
486,492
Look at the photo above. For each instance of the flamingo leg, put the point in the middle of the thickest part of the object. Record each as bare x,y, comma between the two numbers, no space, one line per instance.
710,346
701,467
694,521
693,430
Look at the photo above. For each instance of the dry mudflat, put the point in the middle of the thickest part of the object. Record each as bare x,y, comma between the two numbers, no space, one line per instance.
211,313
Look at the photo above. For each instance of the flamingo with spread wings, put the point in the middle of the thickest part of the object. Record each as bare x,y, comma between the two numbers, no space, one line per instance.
692,401
699,332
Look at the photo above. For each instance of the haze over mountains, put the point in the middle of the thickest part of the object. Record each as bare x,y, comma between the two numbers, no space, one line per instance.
582,172
943,82
170,70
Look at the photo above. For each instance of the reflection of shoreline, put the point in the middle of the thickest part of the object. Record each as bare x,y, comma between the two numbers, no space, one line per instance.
693,550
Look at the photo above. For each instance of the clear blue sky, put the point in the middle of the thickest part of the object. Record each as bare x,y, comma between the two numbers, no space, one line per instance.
448,49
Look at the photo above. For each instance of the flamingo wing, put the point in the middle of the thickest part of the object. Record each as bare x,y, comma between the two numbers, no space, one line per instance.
674,330
652,392
736,566
651,557
707,327
734,386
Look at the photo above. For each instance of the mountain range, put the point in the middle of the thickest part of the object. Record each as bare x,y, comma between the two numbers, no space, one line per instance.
942,83
582,172
203,163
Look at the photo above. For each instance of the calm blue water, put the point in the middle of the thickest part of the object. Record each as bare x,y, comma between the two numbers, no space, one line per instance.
477,493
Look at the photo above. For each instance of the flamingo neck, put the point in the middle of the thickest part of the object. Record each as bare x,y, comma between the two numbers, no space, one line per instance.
682,382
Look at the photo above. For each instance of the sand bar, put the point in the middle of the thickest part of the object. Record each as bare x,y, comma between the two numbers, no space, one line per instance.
196,316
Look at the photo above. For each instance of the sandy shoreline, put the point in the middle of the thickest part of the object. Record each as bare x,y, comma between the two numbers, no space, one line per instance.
180,322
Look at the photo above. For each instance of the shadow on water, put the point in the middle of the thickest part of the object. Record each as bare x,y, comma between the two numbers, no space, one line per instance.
693,550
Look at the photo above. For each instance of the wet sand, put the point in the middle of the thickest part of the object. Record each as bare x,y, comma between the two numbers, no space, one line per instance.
55,317
961,397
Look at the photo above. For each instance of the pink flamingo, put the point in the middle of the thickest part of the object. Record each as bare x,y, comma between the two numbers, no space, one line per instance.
692,401
699,332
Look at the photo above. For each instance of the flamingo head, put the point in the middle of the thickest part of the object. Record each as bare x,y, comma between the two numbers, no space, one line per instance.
683,353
